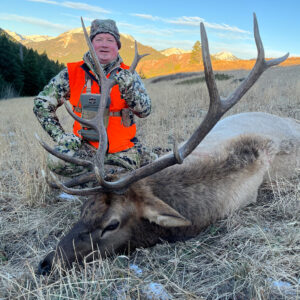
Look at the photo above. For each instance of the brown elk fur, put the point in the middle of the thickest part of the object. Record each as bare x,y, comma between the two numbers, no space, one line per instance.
178,202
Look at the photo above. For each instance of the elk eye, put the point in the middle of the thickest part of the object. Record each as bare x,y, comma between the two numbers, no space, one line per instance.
112,226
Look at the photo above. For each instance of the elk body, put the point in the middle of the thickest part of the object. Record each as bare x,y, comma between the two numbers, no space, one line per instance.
176,196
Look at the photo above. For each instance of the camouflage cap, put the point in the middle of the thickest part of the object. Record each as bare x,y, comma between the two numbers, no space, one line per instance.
105,26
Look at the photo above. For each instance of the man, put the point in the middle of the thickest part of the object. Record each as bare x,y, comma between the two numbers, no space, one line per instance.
127,98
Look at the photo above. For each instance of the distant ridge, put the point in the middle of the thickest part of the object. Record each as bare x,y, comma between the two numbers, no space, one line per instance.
171,51
24,39
128,36
225,56
70,46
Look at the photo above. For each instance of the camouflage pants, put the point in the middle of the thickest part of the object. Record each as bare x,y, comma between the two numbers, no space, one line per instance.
129,159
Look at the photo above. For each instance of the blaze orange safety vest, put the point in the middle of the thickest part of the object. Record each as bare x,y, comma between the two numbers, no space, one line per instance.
119,136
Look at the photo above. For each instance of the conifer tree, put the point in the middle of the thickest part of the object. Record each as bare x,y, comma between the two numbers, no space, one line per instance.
23,71
196,55
32,73
10,64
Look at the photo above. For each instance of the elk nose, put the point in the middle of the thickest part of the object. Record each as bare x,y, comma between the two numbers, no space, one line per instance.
44,268
45,265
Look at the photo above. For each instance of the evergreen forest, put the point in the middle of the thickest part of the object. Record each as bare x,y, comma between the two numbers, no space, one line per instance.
23,72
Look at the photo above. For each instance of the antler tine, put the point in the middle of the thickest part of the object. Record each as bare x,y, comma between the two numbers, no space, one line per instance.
95,123
78,192
137,58
73,182
208,70
260,66
82,121
99,69
84,178
65,157
258,41
215,110
177,154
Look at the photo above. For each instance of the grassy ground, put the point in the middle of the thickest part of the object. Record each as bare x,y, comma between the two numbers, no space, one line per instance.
253,254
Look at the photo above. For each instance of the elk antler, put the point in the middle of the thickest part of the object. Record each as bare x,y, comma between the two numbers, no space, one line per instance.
217,108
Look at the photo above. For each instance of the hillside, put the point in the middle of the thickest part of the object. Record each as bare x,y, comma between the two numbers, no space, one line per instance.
71,45
181,63
11,37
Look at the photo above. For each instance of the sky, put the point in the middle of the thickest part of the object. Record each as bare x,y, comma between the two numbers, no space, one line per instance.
165,24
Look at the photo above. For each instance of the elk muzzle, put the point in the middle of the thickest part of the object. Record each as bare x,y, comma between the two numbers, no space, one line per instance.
45,266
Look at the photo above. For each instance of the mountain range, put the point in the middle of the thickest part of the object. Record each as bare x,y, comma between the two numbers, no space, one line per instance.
70,46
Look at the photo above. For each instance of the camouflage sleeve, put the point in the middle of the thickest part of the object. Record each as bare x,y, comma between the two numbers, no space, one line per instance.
48,100
133,91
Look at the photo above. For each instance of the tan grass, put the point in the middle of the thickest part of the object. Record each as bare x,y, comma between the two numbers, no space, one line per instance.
253,254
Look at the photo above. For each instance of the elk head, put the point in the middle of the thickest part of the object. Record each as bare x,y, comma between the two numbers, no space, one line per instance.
122,207
112,223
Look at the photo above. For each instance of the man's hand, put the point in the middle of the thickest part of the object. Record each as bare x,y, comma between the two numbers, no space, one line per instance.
70,141
124,79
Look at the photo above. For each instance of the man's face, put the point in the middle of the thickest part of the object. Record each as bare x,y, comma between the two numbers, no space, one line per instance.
106,47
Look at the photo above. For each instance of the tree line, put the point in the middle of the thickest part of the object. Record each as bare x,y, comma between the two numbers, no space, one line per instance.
23,72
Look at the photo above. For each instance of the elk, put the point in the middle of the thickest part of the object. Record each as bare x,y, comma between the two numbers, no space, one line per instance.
217,170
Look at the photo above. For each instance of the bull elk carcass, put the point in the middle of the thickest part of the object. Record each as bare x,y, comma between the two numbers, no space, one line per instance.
176,196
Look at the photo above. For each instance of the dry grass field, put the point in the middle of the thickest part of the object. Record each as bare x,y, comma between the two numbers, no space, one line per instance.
253,254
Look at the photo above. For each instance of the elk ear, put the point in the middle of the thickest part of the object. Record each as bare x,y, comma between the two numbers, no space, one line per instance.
162,214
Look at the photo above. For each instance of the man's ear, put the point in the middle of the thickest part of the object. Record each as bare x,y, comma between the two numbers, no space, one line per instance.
157,211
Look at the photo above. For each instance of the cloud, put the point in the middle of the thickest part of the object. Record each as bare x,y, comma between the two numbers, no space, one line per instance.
84,6
34,21
142,29
192,21
153,30
75,5
145,16
44,1
161,44
156,32
195,21
77,17
234,36
130,26
225,27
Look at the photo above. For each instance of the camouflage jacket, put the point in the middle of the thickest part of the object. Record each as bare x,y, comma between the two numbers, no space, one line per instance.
58,90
